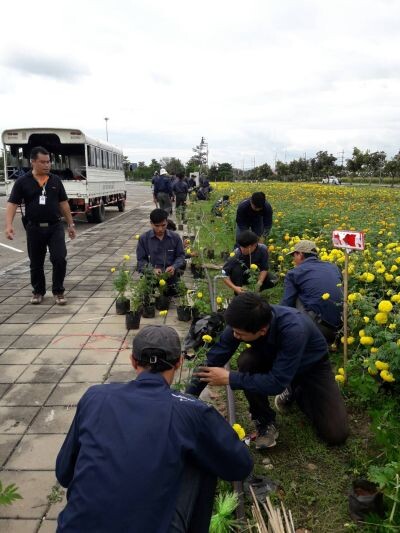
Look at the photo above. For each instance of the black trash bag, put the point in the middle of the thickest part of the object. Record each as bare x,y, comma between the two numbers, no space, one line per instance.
261,485
365,499
211,324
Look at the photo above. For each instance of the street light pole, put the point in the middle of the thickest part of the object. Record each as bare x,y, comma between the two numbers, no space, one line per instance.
106,119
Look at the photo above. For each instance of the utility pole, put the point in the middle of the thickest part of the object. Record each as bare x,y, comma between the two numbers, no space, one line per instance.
106,119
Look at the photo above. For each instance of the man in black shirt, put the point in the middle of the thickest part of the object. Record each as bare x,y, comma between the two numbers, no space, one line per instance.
249,253
45,200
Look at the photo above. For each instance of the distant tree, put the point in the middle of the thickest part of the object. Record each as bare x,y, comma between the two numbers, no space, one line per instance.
355,164
192,165
263,172
225,172
281,169
324,163
375,162
172,165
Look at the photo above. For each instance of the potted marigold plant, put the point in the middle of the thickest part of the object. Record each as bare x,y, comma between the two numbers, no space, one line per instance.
162,300
121,281
132,317
148,282
184,309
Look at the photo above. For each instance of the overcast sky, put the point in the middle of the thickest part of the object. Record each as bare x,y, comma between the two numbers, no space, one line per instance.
259,79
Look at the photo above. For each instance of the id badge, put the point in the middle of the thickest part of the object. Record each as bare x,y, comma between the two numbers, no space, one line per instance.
42,200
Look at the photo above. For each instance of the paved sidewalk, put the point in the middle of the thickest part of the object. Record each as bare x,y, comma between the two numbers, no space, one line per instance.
49,356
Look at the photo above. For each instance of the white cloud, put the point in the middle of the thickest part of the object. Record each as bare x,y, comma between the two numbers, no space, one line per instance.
258,79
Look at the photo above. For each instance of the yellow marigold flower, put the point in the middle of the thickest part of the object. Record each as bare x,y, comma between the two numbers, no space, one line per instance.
361,333
394,268
392,325
219,300
350,340
341,371
126,271
387,376
339,378
378,264
248,345
366,341
239,430
127,257
372,371
188,251
374,350
381,270
253,266
366,319
137,236
163,313
397,279
112,269
385,306
326,296
369,278
206,338
352,297
395,298
200,295
232,254
389,277
381,318
381,365
162,282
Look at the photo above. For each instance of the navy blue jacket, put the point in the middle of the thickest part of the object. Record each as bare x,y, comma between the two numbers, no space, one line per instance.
180,186
162,184
308,282
160,253
259,257
293,342
247,218
124,455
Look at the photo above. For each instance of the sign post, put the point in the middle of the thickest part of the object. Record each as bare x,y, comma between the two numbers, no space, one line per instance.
348,240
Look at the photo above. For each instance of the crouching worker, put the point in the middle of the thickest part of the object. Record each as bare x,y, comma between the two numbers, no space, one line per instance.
237,268
161,249
140,457
288,358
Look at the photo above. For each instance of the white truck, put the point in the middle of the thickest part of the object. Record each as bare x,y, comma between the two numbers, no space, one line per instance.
91,171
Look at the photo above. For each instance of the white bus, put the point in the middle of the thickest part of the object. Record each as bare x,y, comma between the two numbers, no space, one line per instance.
92,171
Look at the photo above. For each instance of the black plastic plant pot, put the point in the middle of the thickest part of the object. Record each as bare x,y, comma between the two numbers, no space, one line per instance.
197,272
162,302
132,320
184,313
121,306
180,227
210,254
149,311
365,499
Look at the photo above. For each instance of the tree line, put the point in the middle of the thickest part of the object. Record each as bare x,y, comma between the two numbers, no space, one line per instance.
362,165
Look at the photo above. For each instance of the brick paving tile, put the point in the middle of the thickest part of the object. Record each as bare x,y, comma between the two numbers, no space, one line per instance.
10,373
85,374
18,526
67,393
34,486
56,356
42,374
7,444
30,394
53,420
37,452
19,356
32,341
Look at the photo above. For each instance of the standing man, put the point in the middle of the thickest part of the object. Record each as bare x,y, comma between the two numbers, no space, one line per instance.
45,201
162,191
315,287
141,457
237,268
180,189
255,214
162,249
288,358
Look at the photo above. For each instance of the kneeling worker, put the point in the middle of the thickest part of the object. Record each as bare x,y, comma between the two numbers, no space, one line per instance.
250,252
141,457
315,287
288,358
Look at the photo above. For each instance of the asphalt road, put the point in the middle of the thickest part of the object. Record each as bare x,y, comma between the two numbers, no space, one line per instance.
15,250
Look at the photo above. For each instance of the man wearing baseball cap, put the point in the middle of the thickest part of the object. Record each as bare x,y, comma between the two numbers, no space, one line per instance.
141,457
315,287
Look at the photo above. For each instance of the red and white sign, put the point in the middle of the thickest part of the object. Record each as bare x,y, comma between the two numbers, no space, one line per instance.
352,240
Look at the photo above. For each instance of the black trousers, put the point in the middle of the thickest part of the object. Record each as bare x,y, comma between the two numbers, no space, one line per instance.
38,240
194,505
180,204
315,391
239,277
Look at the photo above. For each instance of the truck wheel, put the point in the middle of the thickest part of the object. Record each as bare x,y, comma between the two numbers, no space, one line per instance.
99,213
121,206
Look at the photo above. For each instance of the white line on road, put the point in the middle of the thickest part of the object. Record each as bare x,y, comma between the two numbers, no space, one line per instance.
10,247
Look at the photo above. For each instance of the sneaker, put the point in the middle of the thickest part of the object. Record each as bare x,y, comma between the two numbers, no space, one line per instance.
37,299
59,299
266,436
284,401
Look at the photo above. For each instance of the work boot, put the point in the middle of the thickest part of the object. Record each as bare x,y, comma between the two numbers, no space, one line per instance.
266,436
284,401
